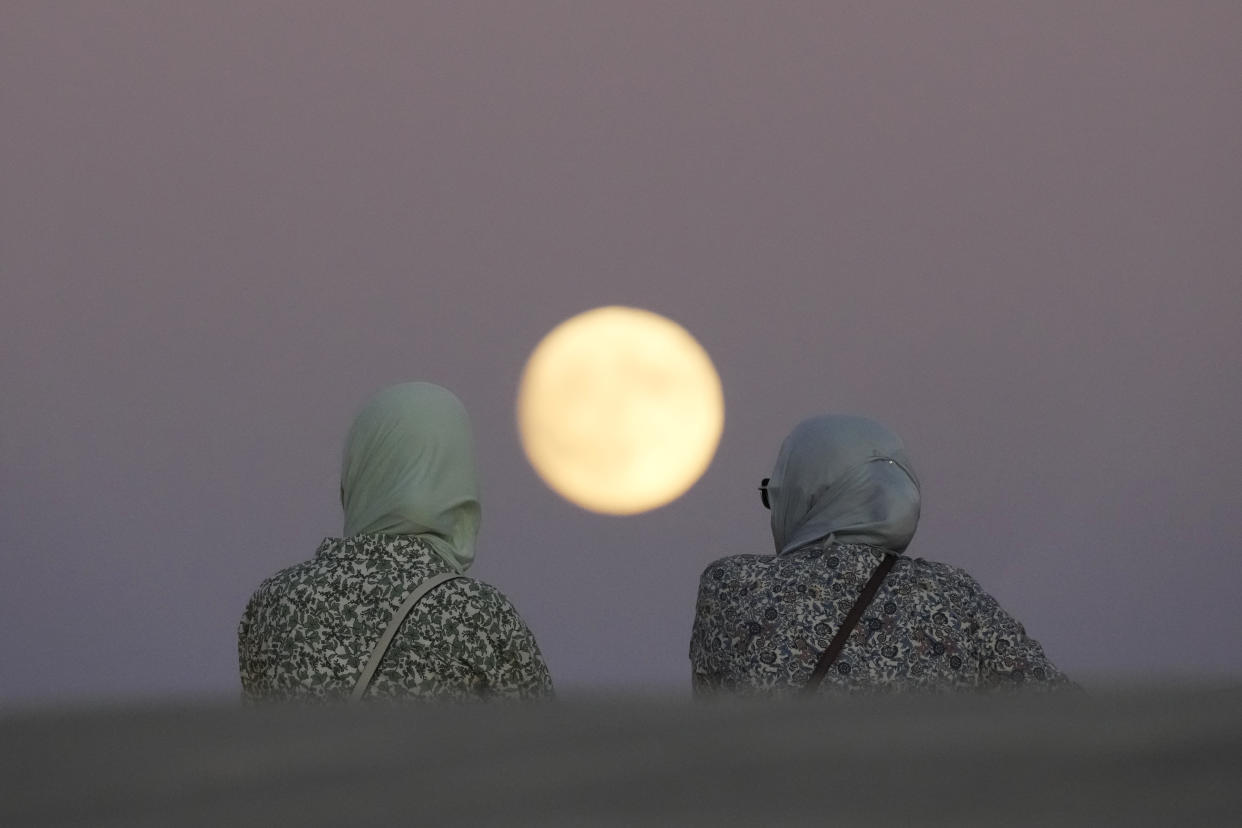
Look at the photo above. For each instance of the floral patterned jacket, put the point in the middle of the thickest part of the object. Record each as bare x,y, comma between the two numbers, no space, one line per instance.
762,622
309,630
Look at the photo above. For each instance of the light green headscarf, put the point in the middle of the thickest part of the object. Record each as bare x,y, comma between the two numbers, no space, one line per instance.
844,476
408,469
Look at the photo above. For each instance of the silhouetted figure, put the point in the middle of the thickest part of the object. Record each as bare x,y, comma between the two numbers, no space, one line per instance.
315,630
845,504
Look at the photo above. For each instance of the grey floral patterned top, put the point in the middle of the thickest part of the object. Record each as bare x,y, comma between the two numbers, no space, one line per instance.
762,622
309,630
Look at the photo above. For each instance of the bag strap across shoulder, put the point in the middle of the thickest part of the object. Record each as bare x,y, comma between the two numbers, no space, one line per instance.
851,621
398,618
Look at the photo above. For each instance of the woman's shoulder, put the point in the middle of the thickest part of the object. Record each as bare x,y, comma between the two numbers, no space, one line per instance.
730,561
391,564
291,581
730,570
474,597
939,576
470,608
468,585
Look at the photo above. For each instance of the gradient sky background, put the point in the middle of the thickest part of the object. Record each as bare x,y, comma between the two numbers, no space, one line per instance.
1010,231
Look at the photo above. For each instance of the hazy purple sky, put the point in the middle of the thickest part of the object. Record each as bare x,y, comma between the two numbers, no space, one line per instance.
1013,232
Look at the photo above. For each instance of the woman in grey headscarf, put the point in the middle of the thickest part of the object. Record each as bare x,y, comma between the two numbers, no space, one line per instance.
386,611
839,605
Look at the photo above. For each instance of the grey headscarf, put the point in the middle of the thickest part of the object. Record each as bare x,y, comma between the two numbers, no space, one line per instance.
844,476
408,469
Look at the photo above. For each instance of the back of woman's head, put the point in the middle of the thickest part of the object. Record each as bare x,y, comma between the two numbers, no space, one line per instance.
845,476
408,469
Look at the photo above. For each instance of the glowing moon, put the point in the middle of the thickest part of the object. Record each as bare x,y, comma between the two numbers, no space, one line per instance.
620,410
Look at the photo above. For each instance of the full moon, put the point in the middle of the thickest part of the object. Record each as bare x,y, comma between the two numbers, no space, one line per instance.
620,410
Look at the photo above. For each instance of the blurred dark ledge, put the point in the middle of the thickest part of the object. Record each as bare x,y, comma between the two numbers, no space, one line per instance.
1152,757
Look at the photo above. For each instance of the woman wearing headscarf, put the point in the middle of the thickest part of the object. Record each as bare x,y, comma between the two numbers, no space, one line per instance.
839,606
386,610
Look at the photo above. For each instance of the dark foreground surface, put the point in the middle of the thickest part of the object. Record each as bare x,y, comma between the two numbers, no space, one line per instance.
1156,758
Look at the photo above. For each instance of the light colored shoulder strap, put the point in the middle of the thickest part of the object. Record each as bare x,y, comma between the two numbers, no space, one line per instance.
398,617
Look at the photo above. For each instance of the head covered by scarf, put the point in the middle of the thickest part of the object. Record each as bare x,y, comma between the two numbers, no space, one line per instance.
844,476
408,469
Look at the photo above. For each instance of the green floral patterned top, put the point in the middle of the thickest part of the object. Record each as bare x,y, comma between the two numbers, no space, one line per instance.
308,630
762,622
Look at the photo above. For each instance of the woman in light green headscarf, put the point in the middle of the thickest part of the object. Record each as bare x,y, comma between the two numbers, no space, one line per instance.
386,610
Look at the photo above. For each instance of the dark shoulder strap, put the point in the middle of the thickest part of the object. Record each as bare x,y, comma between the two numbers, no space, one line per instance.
851,621
398,617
